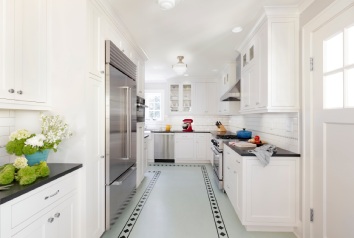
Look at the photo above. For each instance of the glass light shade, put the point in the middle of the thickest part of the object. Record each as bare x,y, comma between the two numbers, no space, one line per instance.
180,68
166,4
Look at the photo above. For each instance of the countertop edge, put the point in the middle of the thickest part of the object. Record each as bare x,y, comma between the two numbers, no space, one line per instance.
41,182
281,153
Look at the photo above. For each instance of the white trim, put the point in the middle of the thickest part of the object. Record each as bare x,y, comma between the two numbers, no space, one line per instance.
307,34
304,4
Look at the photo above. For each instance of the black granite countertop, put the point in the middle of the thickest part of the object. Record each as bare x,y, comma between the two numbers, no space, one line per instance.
280,152
57,170
180,131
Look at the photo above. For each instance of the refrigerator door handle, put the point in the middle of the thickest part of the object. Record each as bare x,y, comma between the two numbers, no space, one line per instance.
126,175
129,126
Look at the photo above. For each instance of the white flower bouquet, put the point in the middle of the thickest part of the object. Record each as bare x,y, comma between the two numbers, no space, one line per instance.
54,130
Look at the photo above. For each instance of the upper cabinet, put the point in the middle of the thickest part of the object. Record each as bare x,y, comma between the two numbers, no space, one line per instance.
23,54
228,78
269,64
180,96
205,98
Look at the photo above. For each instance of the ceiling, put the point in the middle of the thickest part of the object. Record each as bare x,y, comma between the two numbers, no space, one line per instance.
200,30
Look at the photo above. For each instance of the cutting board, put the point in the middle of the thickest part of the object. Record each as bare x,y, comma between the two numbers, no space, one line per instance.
243,144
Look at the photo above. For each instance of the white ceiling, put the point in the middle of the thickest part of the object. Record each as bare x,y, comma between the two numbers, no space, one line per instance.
200,30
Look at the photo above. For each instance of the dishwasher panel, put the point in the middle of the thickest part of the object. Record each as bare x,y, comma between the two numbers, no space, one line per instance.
164,147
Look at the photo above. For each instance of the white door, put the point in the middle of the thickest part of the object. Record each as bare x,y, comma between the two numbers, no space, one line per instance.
332,172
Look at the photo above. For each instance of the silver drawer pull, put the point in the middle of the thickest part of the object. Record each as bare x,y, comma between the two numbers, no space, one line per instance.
238,161
57,214
51,195
50,220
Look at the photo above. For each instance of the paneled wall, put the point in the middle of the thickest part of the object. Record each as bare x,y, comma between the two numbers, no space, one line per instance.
7,125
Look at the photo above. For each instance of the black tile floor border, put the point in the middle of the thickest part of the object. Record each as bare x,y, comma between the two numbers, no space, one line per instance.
219,222
128,227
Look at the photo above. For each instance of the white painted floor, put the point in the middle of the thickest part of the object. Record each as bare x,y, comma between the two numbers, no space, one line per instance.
181,201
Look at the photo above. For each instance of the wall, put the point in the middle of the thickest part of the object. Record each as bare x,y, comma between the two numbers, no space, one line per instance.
7,124
280,129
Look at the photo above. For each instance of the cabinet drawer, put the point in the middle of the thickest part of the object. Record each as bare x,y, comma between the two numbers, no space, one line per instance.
202,136
184,136
29,206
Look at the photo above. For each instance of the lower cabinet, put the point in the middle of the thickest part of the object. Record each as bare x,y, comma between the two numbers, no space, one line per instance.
141,162
264,198
48,211
192,148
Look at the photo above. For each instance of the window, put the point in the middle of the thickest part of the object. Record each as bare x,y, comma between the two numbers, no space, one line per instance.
154,101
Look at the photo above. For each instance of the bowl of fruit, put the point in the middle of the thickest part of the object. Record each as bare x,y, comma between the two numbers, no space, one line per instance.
256,140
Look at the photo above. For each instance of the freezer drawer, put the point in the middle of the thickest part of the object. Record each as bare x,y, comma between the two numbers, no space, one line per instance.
118,192
164,147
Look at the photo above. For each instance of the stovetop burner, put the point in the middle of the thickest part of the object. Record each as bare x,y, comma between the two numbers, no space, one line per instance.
226,137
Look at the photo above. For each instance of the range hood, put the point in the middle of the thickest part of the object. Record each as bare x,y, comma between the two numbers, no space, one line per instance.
233,94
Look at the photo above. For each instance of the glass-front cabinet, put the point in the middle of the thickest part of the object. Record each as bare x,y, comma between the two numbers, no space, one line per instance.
180,98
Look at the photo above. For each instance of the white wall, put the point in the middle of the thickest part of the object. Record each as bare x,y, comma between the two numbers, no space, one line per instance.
280,129
7,125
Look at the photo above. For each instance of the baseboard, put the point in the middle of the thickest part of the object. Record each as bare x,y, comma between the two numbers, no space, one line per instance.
270,228
298,230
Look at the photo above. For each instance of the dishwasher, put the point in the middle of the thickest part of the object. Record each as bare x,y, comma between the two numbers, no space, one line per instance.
164,147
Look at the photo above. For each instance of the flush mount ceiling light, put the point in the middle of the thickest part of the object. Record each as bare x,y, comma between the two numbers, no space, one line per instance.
180,68
166,4
237,29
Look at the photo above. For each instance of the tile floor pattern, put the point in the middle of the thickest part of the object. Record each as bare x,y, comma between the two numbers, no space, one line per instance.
181,201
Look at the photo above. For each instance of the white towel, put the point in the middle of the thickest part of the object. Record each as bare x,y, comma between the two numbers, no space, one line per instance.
264,153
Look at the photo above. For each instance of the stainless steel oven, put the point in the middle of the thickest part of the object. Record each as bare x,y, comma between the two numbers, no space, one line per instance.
140,109
218,166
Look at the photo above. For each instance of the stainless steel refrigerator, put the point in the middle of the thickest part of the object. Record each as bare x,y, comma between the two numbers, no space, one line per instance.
120,130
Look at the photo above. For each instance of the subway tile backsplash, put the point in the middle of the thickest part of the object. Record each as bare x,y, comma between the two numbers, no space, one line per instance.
280,129
7,125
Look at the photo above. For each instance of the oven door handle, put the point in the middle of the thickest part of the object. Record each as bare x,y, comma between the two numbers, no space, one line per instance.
215,151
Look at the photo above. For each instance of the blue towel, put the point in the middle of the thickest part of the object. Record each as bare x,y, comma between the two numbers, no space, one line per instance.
264,153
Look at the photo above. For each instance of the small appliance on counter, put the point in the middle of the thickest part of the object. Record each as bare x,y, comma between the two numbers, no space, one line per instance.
187,125
220,126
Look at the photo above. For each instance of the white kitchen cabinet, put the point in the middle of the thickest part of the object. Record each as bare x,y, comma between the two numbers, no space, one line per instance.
140,158
264,198
270,78
180,96
192,148
141,79
48,211
150,147
229,108
23,54
184,147
96,38
205,98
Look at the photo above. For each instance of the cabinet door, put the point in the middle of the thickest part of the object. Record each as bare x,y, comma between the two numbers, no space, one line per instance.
187,98
200,105
141,79
211,98
245,89
140,153
184,146
30,50
174,97
229,182
7,48
58,223
201,146
237,175
95,163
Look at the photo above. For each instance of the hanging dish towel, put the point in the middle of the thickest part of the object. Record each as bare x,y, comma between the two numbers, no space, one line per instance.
264,153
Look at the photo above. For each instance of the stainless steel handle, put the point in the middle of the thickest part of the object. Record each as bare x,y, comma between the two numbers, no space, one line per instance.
216,153
102,156
50,220
126,175
11,90
57,214
19,92
129,126
141,105
102,72
51,195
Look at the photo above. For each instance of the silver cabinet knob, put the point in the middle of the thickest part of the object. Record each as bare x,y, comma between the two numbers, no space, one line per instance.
19,92
11,90
50,220
57,214
102,72
102,156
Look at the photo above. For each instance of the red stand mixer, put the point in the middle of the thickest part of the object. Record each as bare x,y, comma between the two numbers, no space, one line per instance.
187,125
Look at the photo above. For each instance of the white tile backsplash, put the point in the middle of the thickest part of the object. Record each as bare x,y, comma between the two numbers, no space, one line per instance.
7,125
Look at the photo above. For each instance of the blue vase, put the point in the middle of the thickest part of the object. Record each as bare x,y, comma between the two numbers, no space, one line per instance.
37,157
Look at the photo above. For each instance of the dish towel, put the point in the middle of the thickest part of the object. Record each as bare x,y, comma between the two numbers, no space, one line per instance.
264,153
